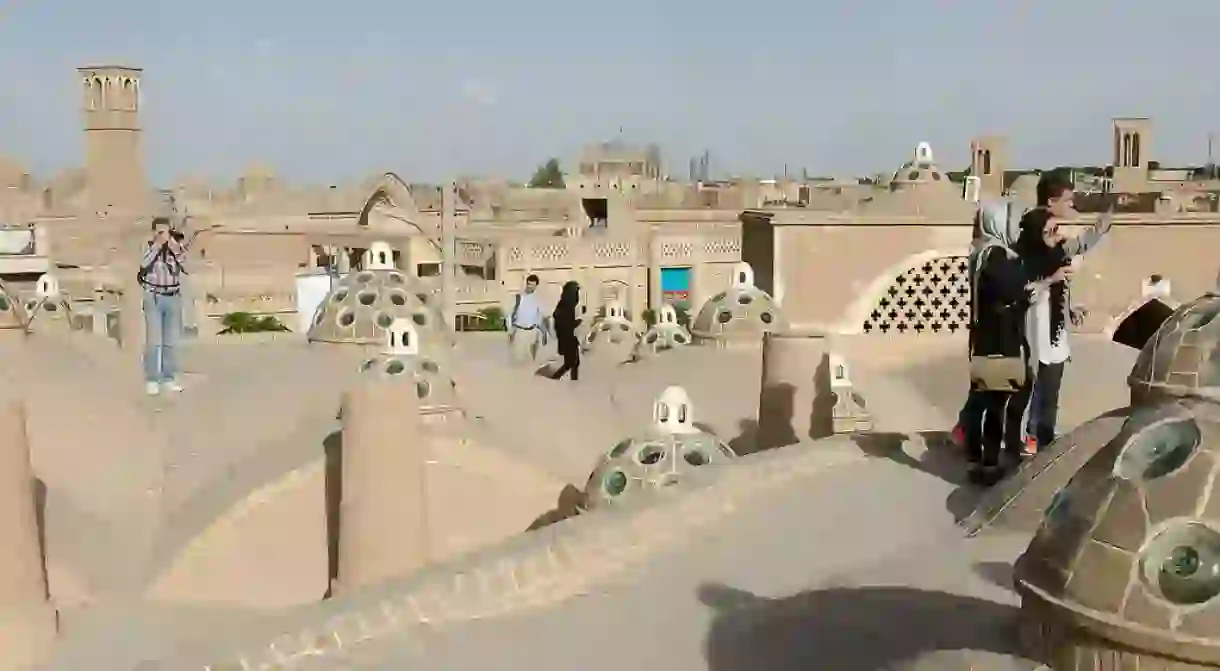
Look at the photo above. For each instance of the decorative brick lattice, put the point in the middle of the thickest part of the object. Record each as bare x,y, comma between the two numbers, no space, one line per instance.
612,251
723,246
553,253
675,250
515,255
933,297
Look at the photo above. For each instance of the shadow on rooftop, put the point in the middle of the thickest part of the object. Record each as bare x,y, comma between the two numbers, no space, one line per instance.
849,628
941,459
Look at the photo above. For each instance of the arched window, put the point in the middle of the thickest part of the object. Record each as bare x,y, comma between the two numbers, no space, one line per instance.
1126,150
1135,150
986,161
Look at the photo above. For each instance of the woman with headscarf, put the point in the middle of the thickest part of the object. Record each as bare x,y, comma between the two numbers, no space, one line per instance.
1044,251
999,355
565,323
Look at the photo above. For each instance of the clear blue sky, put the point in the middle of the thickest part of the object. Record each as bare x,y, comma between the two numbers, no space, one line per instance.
329,92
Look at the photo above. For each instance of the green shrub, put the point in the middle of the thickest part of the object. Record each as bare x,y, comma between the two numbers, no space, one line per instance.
245,322
489,319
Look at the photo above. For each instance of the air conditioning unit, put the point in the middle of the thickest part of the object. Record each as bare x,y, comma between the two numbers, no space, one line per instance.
972,188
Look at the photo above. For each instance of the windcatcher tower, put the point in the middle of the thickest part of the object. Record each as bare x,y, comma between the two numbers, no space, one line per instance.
1132,146
988,160
114,158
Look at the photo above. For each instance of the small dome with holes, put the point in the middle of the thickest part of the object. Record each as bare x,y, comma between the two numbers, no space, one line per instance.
12,313
740,315
921,169
363,305
402,357
612,325
666,334
1183,358
1129,551
49,306
659,457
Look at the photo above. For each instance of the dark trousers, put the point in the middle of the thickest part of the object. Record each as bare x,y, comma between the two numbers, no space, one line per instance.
1044,403
992,422
571,363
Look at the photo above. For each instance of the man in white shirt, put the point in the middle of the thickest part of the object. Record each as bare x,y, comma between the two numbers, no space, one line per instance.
1043,249
526,323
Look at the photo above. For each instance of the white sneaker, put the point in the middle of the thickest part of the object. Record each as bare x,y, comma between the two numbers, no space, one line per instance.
152,388
171,385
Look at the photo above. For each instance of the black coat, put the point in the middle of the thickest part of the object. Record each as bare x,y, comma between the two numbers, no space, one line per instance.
999,320
565,321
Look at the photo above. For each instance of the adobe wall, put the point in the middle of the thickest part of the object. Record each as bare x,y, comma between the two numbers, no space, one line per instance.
836,276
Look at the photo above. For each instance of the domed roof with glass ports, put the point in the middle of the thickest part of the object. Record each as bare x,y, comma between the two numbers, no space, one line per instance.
671,448
743,313
1183,358
402,357
364,304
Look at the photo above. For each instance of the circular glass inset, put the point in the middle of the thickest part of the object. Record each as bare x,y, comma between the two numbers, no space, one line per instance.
766,317
420,319
384,320
429,367
719,297
395,278
422,388
650,454
345,318
650,338
605,327
395,367
724,316
340,296
364,278
679,338
614,483
695,458
367,364
4,304
423,298
398,298
50,306
1183,564
366,298
1158,450
624,327
745,299
30,305
621,448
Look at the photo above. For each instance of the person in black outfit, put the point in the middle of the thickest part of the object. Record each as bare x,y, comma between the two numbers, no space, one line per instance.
1003,289
565,322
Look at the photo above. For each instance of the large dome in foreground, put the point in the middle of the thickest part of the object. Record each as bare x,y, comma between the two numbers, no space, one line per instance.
1183,358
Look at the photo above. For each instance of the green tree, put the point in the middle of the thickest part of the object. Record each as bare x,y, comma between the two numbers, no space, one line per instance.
548,176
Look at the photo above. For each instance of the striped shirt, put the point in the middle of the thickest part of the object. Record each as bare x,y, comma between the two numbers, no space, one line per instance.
162,272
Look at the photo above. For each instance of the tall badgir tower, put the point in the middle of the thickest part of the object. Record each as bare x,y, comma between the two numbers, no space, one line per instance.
114,158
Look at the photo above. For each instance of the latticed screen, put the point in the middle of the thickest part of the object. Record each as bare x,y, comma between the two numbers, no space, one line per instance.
933,297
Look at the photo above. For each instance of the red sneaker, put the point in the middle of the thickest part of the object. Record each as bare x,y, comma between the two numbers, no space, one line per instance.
958,436
1031,446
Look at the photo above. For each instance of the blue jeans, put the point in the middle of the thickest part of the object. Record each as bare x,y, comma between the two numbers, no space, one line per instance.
162,330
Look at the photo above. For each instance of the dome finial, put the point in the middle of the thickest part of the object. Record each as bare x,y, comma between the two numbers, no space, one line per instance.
673,412
48,286
379,256
402,338
923,153
743,275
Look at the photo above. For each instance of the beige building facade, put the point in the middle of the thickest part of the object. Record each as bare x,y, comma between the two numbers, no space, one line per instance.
885,257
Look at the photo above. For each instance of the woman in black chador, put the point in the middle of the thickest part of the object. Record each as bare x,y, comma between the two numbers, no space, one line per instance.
565,322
